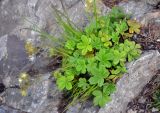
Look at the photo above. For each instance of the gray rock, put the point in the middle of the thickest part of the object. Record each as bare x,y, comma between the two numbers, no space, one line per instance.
7,109
10,14
83,108
153,17
151,2
70,3
137,9
15,60
3,47
42,97
129,86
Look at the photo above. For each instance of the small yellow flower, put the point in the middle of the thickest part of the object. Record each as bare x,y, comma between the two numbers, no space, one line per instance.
23,92
30,49
23,76
20,80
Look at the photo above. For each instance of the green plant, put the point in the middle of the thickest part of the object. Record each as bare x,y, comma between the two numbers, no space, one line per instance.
94,58
156,99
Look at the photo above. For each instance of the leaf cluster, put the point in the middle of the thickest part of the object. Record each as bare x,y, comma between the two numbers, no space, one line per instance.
93,59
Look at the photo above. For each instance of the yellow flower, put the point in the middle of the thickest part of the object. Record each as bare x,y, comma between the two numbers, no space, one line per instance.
23,76
30,49
23,92
20,80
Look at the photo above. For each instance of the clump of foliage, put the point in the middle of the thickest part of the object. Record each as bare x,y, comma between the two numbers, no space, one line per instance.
93,58
156,99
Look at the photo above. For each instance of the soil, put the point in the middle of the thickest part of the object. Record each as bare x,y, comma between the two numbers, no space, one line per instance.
149,37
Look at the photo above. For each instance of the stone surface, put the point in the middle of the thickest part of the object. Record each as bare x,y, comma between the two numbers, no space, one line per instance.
3,47
151,2
7,109
42,95
137,9
14,61
85,108
130,85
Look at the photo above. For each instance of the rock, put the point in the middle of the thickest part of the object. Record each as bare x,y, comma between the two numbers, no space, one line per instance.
130,85
3,47
15,60
70,3
152,2
137,9
83,108
11,14
42,97
6,109
153,17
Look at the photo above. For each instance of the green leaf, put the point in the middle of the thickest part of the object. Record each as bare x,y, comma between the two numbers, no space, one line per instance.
91,27
121,27
85,45
61,82
133,50
99,75
57,74
81,65
117,13
109,88
134,26
96,42
115,37
104,57
92,64
68,86
97,80
70,44
65,82
83,83
118,56
100,98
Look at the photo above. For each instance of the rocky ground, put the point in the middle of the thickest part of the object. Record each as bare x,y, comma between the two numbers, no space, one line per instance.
43,97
